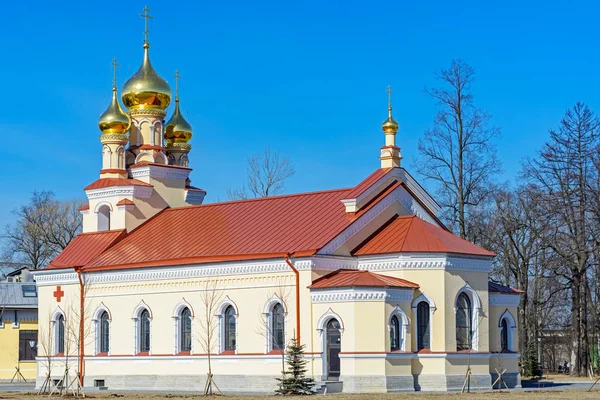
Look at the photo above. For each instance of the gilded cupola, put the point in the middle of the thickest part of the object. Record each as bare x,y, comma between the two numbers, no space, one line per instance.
146,89
178,130
389,125
114,119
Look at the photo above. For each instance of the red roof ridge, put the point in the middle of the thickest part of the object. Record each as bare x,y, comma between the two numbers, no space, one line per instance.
221,203
368,182
108,182
125,202
359,278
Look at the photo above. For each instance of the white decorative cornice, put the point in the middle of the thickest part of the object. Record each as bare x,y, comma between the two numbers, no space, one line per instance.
422,261
377,355
142,192
160,172
360,294
50,277
418,190
504,299
194,196
325,263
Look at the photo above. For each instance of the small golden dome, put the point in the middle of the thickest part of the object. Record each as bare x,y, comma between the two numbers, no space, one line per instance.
390,125
146,89
114,119
178,130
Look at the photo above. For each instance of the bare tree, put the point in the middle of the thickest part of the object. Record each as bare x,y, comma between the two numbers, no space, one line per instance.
457,153
210,296
566,174
46,342
266,175
43,228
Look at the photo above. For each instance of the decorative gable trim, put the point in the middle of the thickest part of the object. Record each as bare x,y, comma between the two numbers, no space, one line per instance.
504,299
425,261
361,294
142,192
194,196
160,172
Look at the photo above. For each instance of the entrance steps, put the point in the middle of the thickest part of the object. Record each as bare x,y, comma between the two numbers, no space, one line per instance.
326,387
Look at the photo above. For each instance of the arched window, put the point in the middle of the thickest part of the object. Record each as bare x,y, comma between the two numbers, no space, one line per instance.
464,318
121,158
504,335
60,334
277,327
423,331
229,328
104,332
144,338
185,330
395,334
104,218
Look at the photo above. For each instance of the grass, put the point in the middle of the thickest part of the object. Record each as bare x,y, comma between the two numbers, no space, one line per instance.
514,395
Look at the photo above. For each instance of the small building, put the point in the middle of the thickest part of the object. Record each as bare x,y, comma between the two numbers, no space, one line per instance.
18,328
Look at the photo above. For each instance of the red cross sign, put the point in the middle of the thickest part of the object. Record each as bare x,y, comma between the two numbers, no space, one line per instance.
58,294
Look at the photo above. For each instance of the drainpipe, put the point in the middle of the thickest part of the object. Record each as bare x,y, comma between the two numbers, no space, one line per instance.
287,260
81,324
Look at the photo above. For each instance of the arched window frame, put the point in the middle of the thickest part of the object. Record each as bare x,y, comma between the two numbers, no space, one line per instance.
402,328
178,327
322,330
97,322
103,225
268,319
106,157
55,322
423,298
475,312
512,326
137,327
120,155
226,303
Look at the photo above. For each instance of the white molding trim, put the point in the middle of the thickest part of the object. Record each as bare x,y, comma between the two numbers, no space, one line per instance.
97,334
160,172
454,355
419,191
268,321
361,294
227,302
177,325
194,196
378,355
504,299
49,277
411,261
101,204
142,192
138,309
432,308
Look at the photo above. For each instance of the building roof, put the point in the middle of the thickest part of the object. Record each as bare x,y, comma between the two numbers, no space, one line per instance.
353,278
85,247
12,295
411,234
368,182
257,228
125,202
497,288
108,182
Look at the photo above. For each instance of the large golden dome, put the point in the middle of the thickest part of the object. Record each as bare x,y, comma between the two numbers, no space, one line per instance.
390,125
146,89
114,119
178,130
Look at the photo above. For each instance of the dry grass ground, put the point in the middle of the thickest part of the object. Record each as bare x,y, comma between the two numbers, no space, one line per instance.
515,395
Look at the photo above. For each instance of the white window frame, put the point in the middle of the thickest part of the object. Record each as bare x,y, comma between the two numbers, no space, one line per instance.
268,321
54,326
98,329
476,312
136,327
177,325
510,335
221,324
432,308
403,319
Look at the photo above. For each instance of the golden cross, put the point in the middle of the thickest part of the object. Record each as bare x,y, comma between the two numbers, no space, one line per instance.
177,78
146,15
389,92
114,65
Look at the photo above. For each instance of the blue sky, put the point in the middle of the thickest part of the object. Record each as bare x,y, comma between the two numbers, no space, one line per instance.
306,78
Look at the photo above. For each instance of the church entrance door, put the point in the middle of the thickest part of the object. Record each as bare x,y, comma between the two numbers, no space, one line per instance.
334,341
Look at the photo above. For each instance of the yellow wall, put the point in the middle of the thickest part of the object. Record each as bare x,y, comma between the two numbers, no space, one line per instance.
9,350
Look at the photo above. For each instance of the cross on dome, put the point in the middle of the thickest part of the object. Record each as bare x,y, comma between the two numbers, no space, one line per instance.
146,15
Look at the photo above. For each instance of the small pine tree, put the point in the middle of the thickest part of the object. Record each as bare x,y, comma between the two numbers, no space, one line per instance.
531,367
294,381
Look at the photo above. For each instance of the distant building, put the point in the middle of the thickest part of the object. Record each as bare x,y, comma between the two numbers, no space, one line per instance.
18,326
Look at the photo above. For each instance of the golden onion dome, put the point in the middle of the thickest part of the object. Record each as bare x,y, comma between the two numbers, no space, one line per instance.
390,125
146,89
178,130
114,119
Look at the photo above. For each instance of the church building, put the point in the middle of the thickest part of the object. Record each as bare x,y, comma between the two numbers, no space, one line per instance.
384,297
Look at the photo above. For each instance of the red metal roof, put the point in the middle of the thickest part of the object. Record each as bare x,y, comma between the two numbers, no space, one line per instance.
108,182
125,202
85,247
368,182
411,234
352,278
84,207
257,228
495,287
